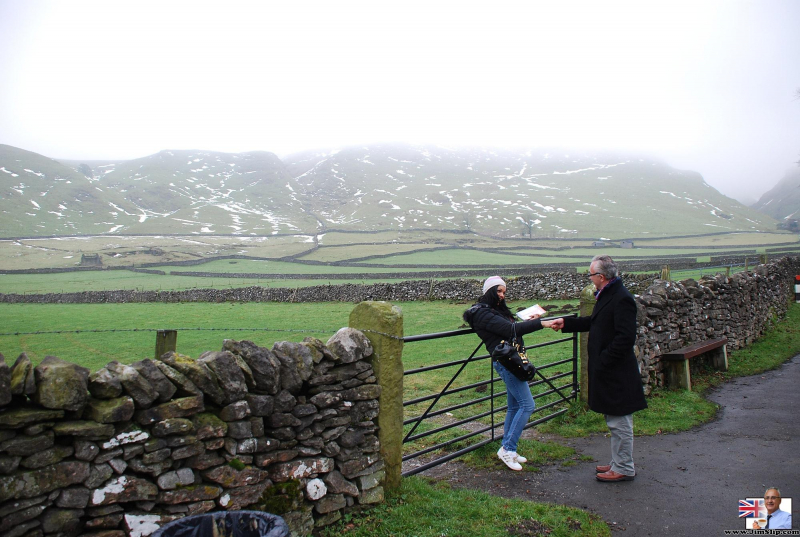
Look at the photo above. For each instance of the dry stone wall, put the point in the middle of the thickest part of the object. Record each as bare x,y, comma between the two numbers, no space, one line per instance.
546,286
740,307
289,430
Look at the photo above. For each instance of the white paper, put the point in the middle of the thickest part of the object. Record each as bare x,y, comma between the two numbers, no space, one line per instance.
528,313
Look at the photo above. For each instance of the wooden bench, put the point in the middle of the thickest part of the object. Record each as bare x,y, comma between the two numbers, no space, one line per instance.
677,369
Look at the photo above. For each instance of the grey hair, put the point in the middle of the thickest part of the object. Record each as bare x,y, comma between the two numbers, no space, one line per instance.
606,266
776,489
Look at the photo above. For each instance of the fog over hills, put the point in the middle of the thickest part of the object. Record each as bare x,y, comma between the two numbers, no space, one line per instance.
782,202
502,192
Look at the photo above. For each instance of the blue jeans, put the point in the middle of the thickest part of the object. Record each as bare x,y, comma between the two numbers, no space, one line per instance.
520,407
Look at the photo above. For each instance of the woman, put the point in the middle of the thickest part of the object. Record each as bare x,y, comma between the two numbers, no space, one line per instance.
493,322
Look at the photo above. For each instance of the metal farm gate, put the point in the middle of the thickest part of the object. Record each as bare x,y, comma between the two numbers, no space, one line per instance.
438,417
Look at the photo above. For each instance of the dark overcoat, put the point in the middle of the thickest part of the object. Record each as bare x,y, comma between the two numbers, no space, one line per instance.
615,386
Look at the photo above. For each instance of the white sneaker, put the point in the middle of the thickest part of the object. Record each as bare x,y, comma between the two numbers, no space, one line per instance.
508,458
519,458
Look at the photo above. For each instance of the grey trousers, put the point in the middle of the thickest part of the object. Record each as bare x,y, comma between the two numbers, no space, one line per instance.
621,428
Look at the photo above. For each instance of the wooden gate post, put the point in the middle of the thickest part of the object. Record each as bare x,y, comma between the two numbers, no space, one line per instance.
166,341
382,323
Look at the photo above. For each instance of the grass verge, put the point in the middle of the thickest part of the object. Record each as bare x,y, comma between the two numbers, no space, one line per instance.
422,508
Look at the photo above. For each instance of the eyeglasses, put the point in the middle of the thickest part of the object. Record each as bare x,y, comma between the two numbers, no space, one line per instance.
772,497
594,274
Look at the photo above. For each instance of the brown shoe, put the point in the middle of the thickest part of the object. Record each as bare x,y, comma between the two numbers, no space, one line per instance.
603,468
612,476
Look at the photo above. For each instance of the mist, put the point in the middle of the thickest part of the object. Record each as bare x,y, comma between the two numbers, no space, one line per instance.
709,86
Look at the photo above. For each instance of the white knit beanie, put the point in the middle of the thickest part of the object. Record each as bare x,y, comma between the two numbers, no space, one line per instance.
491,282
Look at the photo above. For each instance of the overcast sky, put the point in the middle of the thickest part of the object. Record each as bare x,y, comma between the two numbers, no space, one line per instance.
706,85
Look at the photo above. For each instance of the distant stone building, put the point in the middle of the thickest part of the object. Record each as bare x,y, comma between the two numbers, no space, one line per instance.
91,260
626,244
599,244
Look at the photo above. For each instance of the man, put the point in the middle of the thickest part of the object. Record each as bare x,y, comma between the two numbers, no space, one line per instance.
615,386
776,519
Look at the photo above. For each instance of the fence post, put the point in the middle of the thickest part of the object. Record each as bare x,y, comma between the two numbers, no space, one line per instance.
382,323
587,305
665,273
762,259
166,341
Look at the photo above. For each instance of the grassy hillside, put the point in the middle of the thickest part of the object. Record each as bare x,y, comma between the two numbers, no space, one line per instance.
783,201
534,193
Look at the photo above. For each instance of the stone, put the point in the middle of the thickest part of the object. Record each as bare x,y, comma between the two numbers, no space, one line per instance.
370,481
331,502
199,508
124,489
143,524
131,451
74,498
230,377
339,485
265,459
104,385
205,460
188,451
263,364
371,496
199,374
110,410
9,464
171,480
173,426
363,393
315,489
150,371
177,408
349,345
25,445
118,465
98,474
192,493
134,384
240,497
61,385
21,516
47,457
155,444
184,386
229,477
129,435
285,402
300,468
240,429
357,467
23,529
260,405
256,445
181,440
107,455
42,481
326,399
155,469
24,416
296,364
156,456
64,521
307,409
5,381
235,411
351,438
85,450
19,505
207,425
90,430
106,522
22,381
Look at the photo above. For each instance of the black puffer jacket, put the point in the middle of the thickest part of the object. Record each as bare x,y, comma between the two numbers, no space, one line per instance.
493,327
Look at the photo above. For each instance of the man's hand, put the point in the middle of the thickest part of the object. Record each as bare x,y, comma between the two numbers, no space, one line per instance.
555,324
